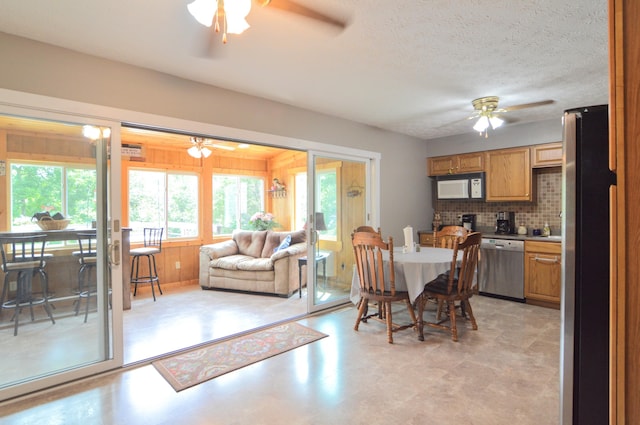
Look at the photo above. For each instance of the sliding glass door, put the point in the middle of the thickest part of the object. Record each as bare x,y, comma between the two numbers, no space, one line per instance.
339,205
61,305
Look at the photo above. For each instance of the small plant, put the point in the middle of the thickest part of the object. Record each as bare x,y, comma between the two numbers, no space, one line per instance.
263,221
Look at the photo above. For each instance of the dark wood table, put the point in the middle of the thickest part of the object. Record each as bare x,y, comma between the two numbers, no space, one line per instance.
302,261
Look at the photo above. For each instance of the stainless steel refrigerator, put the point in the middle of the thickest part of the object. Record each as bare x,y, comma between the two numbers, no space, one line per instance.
584,345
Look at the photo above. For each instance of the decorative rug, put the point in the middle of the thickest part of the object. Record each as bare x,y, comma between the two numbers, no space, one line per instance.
194,367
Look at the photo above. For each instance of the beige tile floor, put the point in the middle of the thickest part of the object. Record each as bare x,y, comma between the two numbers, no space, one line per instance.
504,373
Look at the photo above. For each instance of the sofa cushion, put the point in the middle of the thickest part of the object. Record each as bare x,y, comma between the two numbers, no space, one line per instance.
298,236
271,242
256,264
250,242
229,262
274,239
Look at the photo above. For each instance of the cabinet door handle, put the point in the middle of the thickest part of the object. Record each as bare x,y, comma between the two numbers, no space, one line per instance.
546,260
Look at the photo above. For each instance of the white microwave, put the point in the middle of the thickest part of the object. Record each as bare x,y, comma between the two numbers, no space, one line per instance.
460,186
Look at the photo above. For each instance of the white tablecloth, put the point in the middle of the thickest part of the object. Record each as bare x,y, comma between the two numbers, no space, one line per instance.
412,270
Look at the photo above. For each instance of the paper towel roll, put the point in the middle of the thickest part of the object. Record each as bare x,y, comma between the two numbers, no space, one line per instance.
408,239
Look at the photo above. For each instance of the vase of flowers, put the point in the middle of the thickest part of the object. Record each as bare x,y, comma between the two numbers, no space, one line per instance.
263,221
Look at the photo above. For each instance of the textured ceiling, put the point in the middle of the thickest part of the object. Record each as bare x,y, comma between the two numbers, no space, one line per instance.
409,66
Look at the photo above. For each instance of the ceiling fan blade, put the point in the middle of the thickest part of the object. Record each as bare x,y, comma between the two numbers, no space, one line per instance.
298,9
527,105
226,148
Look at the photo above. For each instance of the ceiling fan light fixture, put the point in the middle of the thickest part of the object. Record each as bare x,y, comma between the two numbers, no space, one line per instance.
204,11
198,150
482,124
495,122
235,12
94,133
194,151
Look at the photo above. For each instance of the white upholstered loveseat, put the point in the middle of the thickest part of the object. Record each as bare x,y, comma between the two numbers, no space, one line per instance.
249,262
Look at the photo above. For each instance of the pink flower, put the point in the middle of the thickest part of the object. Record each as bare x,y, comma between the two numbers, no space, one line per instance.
263,221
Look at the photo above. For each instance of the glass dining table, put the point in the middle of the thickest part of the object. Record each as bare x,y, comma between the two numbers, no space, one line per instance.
412,270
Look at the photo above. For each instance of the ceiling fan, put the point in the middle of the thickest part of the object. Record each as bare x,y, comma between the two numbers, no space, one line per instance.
486,110
231,14
200,147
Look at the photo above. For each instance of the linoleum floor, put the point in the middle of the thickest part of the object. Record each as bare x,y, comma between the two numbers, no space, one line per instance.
506,372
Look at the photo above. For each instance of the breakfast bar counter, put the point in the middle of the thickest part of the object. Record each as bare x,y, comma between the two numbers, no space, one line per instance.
62,269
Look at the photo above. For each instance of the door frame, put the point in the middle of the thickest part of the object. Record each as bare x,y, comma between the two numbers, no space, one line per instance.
371,193
108,227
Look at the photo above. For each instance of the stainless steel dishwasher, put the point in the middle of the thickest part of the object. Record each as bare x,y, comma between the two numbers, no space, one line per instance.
502,268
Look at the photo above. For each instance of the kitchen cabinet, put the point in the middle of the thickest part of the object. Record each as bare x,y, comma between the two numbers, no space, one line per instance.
508,175
455,164
425,238
547,155
542,273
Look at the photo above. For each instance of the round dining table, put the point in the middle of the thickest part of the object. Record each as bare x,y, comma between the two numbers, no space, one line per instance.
412,270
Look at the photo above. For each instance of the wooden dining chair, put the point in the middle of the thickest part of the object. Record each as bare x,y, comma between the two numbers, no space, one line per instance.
448,235
368,248
367,229
457,284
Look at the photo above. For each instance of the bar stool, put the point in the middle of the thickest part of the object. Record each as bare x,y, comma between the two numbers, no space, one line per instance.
87,287
22,258
152,246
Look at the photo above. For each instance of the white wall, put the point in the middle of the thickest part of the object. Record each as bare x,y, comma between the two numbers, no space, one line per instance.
38,68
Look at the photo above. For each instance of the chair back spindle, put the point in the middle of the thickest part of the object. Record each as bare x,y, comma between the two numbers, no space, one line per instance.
448,236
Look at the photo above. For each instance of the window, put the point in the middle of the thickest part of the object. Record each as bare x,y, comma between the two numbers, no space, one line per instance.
326,200
163,199
66,189
235,199
301,199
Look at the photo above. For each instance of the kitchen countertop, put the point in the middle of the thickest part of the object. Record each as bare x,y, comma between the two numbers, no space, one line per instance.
552,238
490,234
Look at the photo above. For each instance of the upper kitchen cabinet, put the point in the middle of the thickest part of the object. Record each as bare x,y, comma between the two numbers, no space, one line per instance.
547,155
508,175
455,164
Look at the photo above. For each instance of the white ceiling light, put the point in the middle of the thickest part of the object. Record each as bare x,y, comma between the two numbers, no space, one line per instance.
199,150
485,108
231,12
94,133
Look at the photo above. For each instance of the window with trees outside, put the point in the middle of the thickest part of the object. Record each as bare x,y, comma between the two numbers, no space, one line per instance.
326,200
235,199
163,199
66,189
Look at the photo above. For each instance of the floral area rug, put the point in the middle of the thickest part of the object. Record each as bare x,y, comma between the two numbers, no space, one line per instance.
194,367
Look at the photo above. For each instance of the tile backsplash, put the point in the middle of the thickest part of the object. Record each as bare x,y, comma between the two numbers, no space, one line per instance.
533,215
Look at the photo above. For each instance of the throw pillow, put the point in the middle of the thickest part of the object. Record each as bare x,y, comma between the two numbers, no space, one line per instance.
285,244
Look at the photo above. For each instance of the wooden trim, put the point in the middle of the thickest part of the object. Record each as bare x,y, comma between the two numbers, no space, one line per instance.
616,314
624,49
